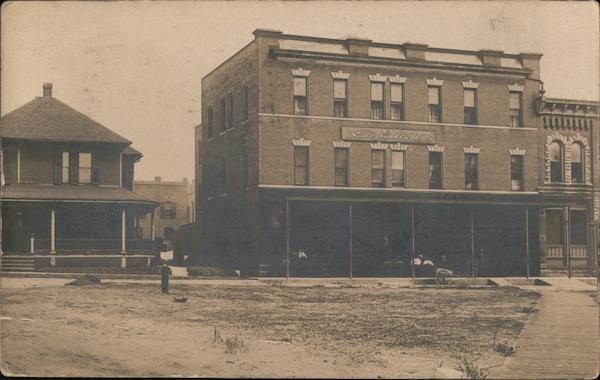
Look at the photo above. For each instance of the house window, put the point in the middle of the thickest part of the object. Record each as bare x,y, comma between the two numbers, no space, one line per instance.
471,171
340,94
377,110
378,168
341,166
398,168
301,165
435,104
223,115
470,104
168,210
516,172
556,162
435,170
577,163
246,103
397,101
85,168
554,227
578,227
515,109
66,171
300,96
209,123
230,112
10,158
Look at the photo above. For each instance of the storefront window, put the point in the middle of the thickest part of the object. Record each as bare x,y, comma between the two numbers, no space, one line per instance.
578,227
554,229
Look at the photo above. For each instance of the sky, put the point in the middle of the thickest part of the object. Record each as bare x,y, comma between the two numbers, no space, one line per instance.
136,66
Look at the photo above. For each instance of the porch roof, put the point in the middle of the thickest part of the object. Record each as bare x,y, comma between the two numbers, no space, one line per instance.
71,193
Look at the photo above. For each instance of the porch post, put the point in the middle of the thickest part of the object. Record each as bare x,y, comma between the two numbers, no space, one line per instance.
287,250
412,262
472,244
567,238
527,238
350,238
152,233
123,232
53,231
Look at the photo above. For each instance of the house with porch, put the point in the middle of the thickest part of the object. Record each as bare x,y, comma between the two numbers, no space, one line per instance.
67,191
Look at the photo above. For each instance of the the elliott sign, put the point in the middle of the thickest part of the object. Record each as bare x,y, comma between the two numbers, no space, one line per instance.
388,135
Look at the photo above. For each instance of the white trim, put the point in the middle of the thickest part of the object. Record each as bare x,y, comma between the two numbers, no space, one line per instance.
398,189
396,121
377,78
123,232
53,231
470,84
435,148
300,72
434,82
341,144
471,149
340,75
397,79
516,151
301,142
120,170
378,146
398,147
516,87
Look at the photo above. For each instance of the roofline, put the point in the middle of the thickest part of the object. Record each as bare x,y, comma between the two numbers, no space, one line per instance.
228,59
69,141
4,199
571,101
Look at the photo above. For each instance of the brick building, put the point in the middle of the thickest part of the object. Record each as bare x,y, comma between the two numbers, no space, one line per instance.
175,208
345,157
67,190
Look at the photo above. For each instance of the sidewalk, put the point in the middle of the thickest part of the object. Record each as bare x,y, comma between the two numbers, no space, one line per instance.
560,341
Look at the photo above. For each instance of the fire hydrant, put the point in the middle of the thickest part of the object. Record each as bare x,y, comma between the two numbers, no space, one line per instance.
165,271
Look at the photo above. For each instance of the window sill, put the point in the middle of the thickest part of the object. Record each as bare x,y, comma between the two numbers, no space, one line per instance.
223,195
247,121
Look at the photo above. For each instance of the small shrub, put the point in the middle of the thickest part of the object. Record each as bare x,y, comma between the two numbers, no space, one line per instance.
217,337
471,369
502,348
525,309
233,345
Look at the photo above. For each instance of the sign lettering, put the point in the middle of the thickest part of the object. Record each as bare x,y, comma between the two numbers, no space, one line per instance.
388,135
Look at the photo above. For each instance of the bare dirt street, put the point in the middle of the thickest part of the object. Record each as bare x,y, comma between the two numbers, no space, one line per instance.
125,329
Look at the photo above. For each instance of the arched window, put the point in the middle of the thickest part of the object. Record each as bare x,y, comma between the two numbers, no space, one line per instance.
576,163
556,162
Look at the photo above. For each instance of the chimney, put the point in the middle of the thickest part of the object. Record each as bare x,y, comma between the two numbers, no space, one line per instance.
157,179
491,58
414,51
531,61
357,46
47,90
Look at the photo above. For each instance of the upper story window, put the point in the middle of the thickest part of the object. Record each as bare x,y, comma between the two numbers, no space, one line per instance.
10,169
378,167
556,162
517,172
435,103
397,101
435,170
377,109
223,115
516,117
168,210
209,123
301,165
300,96
230,112
577,163
66,172
471,171
246,95
341,166
340,98
85,168
398,168
470,104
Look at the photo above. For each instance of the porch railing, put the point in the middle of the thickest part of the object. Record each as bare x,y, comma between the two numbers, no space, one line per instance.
84,245
558,251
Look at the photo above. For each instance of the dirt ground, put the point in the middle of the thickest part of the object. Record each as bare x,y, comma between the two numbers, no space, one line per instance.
125,329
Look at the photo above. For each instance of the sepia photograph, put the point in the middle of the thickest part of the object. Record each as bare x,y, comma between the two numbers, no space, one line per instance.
300,189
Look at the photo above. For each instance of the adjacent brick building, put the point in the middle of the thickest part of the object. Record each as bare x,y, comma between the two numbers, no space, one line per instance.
324,156
67,190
